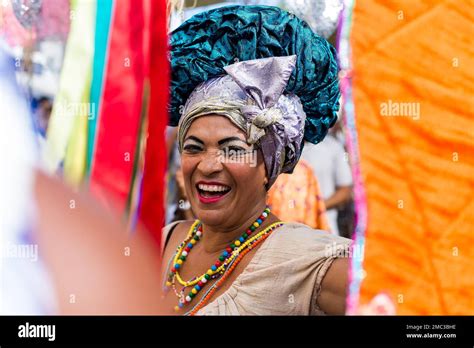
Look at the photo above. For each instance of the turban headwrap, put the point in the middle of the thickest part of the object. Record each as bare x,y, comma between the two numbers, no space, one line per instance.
282,89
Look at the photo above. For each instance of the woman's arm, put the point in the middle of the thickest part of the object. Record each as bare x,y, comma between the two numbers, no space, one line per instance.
332,298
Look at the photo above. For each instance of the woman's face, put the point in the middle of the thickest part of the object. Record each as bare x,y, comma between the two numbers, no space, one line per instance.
224,177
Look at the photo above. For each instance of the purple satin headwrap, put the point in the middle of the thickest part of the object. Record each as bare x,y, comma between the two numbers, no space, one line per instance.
251,96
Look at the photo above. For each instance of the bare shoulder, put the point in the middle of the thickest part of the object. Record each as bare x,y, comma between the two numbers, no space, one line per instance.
332,298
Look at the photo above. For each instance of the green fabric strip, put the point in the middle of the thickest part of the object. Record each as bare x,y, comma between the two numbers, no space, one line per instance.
103,21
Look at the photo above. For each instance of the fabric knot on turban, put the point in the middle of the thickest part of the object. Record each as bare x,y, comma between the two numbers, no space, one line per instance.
264,81
261,120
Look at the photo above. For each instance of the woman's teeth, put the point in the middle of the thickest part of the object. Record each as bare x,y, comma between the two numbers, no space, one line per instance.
213,188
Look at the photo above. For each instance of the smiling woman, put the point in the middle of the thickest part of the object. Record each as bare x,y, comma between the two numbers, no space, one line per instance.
238,257
217,189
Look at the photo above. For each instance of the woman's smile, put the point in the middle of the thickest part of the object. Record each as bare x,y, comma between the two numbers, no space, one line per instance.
210,192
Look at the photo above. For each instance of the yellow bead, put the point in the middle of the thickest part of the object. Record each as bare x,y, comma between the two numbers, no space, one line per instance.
209,272
168,283
256,224
176,308
194,291
193,241
179,262
237,243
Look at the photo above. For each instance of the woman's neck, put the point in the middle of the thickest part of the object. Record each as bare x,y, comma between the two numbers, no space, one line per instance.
217,238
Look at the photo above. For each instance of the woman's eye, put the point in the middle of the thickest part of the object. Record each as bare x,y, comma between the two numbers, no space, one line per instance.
236,150
192,148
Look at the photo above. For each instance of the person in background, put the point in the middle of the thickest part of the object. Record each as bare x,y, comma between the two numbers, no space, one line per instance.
298,198
183,209
177,206
25,287
331,167
42,114
345,212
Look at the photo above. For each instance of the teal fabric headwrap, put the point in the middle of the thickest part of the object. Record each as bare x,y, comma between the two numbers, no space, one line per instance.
206,43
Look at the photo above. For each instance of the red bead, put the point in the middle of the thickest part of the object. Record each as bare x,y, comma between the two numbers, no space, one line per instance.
217,264
228,249
248,231
187,249
173,270
200,283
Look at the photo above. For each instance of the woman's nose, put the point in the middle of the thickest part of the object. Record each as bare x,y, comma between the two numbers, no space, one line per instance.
210,162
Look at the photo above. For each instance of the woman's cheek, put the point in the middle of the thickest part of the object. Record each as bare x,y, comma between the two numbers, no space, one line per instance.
240,171
187,167
247,176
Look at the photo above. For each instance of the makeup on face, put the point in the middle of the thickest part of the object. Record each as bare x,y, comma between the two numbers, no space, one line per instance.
229,150
211,191
223,174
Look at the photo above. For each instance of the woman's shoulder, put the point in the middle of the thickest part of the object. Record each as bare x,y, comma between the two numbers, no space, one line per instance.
301,231
307,239
295,253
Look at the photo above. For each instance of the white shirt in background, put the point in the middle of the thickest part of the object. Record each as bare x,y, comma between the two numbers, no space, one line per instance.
25,286
331,166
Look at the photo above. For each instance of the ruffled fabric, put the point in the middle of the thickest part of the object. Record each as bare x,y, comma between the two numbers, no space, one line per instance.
284,276
206,43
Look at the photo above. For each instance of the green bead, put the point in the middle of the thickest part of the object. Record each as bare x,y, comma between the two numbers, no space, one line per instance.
196,238
191,295
252,228
221,258
232,246
207,276
245,235
182,257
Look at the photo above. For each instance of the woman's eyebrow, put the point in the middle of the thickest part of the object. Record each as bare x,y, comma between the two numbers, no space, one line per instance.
192,137
226,140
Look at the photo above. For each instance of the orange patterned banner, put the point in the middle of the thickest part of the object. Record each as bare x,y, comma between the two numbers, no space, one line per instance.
412,92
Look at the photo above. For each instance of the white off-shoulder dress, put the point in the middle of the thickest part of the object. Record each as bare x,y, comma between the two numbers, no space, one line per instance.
284,276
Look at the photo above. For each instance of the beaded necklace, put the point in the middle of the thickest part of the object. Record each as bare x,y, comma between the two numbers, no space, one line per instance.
233,265
228,257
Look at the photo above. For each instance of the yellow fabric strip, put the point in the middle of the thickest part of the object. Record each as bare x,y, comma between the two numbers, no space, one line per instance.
67,132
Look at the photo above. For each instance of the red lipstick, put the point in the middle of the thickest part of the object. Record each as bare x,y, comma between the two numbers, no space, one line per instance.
213,199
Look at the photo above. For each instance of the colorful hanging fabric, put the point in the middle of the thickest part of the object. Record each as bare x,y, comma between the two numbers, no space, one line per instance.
121,106
101,44
103,128
151,209
67,126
